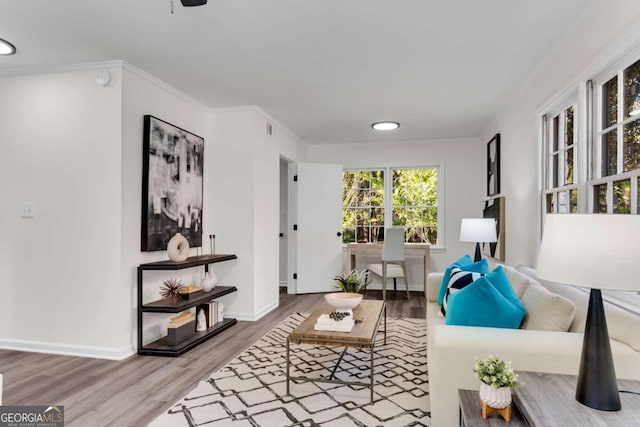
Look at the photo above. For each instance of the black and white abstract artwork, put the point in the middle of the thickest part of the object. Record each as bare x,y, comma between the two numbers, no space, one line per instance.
494,208
172,185
493,166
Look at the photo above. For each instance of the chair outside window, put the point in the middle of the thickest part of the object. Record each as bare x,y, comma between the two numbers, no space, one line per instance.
393,265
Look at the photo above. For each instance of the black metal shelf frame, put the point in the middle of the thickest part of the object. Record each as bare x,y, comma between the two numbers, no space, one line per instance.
160,346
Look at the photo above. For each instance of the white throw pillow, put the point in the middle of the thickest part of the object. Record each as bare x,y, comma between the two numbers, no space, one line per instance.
519,282
546,311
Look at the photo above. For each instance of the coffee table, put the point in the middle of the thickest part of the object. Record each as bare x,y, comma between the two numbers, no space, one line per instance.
363,336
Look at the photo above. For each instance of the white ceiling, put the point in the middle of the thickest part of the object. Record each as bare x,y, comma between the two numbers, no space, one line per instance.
326,69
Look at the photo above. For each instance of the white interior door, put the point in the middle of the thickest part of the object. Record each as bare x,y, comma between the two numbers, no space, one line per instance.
319,241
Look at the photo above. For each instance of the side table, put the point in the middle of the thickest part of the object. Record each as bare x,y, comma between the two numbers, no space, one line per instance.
471,415
549,400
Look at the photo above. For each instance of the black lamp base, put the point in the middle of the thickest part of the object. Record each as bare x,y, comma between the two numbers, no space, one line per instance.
477,257
597,385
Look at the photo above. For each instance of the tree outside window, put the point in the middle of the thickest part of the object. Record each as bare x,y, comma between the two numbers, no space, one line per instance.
413,204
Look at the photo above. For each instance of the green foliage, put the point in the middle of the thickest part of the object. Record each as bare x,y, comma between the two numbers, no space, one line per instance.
352,282
414,200
496,372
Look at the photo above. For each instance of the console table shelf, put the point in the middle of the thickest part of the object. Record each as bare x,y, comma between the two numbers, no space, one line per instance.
160,347
193,261
164,306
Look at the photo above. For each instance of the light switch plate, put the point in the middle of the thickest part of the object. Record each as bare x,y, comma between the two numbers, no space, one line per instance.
27,210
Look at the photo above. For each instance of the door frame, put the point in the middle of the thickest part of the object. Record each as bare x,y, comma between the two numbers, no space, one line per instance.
292,218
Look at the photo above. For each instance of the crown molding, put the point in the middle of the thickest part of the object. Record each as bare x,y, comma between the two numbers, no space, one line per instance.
164,86
63,68
259,110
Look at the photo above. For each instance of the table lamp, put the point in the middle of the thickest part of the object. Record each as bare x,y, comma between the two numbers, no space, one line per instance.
596,251
478,230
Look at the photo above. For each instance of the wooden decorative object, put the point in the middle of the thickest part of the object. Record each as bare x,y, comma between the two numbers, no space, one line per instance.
504,412
188,292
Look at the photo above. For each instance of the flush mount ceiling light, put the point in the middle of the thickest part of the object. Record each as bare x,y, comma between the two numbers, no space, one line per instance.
190,3
6,48
385,125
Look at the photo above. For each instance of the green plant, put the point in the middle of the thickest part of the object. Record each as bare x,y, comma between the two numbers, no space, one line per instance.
353,281
496,372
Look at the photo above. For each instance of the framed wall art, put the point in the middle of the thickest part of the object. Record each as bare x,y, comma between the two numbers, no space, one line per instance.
493,166
172,184
494,208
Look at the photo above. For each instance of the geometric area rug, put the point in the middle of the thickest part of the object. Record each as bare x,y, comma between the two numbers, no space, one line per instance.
250,389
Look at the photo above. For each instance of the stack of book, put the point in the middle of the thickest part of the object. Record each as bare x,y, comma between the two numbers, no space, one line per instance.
210,312
326,323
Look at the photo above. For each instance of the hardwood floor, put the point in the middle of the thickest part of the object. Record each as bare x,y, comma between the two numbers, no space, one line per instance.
134,391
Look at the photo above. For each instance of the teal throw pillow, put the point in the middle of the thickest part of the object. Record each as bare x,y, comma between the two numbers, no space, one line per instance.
500,281
481,304
465,260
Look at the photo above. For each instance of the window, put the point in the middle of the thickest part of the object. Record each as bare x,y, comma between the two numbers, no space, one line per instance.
614,187
561,190
413,204
363,206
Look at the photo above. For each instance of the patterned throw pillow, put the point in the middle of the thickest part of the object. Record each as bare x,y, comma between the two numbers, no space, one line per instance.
458,280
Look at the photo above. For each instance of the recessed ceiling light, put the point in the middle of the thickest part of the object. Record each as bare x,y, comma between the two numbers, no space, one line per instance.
6,48
385,125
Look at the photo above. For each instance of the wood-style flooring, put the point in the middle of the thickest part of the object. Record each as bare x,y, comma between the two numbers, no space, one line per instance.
134,391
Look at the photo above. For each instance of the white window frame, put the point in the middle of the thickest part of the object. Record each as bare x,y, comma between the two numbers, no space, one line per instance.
596,172
373,169
388,208
549,131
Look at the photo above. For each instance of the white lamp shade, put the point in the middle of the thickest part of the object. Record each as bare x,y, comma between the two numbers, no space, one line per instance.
591,250
478,230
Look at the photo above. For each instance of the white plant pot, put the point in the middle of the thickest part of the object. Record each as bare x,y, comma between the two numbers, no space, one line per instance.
497,398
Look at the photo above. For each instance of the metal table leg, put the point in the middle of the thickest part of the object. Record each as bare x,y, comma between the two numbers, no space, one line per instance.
385,324
288,363
371,357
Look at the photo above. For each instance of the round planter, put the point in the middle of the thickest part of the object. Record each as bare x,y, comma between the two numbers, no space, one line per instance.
497,398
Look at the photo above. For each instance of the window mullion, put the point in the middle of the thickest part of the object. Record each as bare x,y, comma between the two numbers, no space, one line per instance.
388,197
619,126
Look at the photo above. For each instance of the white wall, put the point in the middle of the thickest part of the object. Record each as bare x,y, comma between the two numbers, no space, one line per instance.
582,53
246,174
60,284
463,187
74,150
143,94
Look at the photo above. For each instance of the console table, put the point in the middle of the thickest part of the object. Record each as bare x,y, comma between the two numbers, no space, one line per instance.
375,249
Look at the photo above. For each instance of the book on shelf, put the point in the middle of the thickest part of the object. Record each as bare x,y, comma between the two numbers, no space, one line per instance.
211,312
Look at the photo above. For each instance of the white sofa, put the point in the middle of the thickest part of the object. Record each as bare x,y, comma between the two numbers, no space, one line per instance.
451,349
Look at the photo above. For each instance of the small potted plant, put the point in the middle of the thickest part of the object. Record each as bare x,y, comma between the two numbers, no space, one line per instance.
351,282
496,380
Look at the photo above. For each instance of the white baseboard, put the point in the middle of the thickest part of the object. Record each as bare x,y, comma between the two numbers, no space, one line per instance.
67,349
252,317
